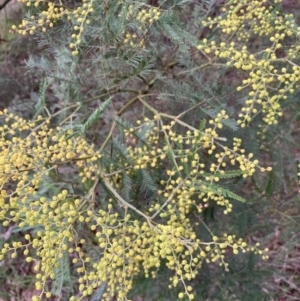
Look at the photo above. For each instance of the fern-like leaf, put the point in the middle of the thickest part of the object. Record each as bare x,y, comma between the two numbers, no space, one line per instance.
147,183
62,275
127,187
221,191
227,175
40,105
98,293
96,115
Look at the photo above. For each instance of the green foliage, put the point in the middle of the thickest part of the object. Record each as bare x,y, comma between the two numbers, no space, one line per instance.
162,133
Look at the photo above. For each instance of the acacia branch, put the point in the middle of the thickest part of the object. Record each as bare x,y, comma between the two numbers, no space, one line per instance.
4,4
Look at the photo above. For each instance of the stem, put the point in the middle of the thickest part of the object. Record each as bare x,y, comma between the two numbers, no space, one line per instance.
168,200
108,137
124,203
175,118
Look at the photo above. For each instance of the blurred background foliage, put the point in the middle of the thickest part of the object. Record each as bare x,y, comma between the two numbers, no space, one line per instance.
271,215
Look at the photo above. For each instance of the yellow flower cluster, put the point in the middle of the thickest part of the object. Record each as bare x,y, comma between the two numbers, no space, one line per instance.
189,179
29,152
81,15
266,80
133,40
240,16
53,13
148,16
56,238
130,241
188,166
45,20
129,246
211,134
145,18
142,14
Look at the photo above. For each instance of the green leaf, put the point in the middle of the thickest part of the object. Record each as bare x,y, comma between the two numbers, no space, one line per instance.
270,188
209,213
232,195
127,186
202,125
227,175
40,105
98,293
170,153
96,115
146,181
62,275
141,134
121,149
221,191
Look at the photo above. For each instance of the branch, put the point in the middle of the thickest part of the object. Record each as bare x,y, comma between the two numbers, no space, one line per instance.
4,4
124,203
